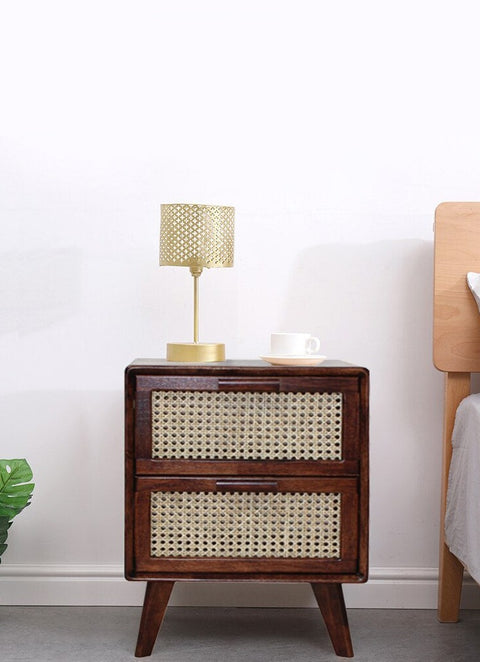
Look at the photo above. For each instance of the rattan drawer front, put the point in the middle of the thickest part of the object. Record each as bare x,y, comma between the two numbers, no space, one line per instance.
245,524
240,524
246,425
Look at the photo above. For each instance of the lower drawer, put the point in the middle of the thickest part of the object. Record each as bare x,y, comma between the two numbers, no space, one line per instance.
245,525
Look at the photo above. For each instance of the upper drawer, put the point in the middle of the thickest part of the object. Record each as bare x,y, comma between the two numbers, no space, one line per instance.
198,419
236,425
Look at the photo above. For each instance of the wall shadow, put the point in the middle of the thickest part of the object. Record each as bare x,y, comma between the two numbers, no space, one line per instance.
372,304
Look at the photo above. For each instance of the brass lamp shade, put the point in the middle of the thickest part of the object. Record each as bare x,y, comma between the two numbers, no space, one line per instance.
196,236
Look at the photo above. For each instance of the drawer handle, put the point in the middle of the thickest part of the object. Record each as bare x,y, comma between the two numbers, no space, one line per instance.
246,384
243,485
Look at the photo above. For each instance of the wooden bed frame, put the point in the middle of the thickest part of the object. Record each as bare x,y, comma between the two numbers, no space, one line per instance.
456,351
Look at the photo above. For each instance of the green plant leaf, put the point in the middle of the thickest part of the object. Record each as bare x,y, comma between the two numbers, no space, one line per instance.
15,494
15,490
4,523
18,468
4,526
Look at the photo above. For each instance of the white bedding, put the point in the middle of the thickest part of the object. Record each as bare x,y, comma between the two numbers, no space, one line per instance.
462,519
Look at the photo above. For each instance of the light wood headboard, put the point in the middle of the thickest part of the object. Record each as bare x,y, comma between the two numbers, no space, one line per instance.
456,327
456,351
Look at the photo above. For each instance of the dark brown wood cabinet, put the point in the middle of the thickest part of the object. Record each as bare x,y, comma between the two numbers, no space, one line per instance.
244,471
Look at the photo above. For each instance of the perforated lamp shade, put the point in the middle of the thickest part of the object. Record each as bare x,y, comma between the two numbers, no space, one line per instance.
196,236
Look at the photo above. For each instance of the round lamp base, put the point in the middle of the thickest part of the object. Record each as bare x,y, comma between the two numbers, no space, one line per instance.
201,352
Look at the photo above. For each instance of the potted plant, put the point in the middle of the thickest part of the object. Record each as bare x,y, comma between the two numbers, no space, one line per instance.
15,494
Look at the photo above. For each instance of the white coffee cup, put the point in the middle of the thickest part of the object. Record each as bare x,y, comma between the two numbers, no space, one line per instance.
293,344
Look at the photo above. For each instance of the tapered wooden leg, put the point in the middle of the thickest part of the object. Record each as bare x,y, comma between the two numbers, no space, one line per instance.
154,607
332,605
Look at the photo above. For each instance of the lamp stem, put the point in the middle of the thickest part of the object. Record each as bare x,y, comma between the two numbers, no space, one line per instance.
195,271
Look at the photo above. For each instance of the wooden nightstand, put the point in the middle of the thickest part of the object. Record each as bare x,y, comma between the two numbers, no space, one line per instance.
245,471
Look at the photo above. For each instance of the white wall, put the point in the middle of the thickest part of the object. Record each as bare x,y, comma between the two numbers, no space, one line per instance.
334,128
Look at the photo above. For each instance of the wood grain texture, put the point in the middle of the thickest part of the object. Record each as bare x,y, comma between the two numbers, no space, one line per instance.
332,605
457,387
456,326
155,604
456,351
348,477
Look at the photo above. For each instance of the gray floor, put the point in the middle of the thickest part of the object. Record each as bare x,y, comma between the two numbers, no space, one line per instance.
108,634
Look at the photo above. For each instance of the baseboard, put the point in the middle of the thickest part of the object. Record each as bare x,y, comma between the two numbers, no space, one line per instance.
387,588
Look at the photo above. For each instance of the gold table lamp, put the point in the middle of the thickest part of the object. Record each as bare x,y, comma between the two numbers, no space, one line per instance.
196,236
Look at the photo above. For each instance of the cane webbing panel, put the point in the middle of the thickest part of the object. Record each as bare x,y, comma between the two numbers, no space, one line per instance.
246,425
245,524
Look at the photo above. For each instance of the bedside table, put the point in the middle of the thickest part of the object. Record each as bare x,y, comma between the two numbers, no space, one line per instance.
244,471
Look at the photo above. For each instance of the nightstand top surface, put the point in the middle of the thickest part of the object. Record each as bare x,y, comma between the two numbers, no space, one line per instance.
164,366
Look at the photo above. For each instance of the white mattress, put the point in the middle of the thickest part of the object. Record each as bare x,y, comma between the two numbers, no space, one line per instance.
462,519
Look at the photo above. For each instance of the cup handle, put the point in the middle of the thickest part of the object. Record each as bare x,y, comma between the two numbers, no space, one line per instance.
312,345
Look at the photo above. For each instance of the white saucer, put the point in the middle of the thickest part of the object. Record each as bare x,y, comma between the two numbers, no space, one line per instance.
306,359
